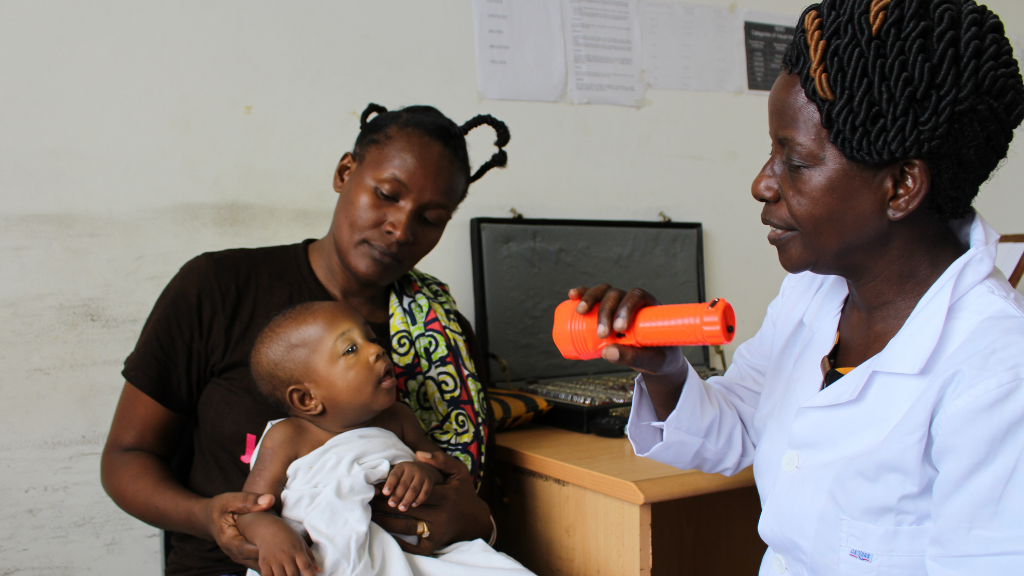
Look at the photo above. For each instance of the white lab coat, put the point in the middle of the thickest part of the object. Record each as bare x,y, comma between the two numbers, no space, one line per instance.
909,464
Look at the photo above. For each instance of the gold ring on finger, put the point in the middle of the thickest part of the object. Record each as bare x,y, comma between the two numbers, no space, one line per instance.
421,529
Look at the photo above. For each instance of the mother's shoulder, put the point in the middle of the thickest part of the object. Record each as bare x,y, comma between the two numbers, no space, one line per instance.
235,262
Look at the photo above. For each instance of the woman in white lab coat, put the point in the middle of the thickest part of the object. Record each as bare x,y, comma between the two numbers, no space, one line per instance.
881,403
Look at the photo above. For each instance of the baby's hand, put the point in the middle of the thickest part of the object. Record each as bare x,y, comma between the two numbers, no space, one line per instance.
283,552
410,484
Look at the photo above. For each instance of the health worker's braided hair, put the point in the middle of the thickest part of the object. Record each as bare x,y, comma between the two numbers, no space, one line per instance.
896,80
430,122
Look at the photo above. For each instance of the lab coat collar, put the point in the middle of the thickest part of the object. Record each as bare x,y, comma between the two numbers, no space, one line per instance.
913,345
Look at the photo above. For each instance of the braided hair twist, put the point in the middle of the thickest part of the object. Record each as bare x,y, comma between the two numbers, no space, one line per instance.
894,80
377,125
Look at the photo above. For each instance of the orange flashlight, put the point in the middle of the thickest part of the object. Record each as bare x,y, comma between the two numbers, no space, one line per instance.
704,324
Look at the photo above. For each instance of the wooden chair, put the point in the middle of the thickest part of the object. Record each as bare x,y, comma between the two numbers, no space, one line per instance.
1010,257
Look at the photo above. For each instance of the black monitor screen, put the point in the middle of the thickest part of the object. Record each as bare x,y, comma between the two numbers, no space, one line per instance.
522,269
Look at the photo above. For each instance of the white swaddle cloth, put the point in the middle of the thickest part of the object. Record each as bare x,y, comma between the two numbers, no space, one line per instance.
327,495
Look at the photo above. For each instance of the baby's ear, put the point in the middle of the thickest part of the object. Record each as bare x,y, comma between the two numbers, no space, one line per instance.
303,400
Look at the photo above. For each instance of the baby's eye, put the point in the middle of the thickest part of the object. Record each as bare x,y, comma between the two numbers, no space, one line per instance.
351,349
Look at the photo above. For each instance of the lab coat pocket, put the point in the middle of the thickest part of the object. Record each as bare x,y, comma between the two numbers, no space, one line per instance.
882,550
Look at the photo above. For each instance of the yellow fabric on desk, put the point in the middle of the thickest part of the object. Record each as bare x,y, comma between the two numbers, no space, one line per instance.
512,409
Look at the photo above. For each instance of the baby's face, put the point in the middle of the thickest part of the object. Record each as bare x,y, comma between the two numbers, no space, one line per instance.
349,372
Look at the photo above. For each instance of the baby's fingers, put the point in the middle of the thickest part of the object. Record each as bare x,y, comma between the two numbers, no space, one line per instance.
307,564
425,491
401,498
411,493
393,478
273,568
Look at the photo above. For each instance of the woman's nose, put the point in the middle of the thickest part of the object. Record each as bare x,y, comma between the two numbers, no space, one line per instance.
765,187
399,226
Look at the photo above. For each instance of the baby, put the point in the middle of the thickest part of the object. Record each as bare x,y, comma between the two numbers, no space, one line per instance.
320,363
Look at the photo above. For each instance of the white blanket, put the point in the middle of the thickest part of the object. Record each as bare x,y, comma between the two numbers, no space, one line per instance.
328,494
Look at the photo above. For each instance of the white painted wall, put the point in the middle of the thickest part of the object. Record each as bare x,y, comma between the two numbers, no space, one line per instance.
134,135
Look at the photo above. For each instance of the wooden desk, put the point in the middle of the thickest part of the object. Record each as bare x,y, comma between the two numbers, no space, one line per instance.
579,504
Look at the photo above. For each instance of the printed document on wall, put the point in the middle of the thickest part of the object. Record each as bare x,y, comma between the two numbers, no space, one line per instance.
603,52
690,47
519,50
766,37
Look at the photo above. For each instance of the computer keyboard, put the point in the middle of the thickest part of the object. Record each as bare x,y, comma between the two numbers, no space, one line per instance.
596,390
588,390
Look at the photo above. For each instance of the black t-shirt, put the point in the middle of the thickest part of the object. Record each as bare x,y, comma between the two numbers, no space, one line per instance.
193,358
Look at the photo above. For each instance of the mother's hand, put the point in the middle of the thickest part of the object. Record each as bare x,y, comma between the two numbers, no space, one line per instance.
452,513
135,471
220,513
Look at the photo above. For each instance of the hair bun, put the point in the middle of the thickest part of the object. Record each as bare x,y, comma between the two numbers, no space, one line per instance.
371,108
933,80
499,159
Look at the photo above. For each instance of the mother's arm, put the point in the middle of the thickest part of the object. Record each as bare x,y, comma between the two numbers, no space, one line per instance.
135,472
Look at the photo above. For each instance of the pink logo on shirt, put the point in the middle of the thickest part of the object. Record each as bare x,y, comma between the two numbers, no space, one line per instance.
250,447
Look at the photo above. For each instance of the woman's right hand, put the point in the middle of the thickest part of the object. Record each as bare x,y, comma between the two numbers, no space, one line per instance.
616,311
135,473
220,514
664,369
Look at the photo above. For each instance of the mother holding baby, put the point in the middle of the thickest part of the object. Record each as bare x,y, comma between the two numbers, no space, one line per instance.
189,415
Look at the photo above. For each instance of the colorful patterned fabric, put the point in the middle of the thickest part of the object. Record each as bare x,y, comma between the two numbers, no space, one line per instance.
830,372
512,408
435,372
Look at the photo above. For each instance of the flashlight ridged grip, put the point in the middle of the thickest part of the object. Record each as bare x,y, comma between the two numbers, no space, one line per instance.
703,324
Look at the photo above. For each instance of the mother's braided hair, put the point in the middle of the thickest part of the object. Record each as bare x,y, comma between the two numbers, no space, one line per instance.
430,122
913,79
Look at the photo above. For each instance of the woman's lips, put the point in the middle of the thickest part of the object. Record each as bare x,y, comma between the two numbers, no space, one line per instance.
383,254
778,235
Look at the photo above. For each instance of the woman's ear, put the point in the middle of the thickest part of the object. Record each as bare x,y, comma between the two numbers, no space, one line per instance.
303,400
344,170
910,187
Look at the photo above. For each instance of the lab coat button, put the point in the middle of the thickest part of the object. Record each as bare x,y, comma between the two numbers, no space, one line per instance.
790,461
778,564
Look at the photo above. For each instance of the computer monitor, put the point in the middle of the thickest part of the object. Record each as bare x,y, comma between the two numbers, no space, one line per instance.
523,268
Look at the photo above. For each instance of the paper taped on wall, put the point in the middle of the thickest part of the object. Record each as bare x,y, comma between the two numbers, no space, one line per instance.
519,50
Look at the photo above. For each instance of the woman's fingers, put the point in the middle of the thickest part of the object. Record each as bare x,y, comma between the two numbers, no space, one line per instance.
616,308
242,502
446,464
453,511
631,303
605,297
646,360
395,524
224,509
588,296
608,311
422,548
239,549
